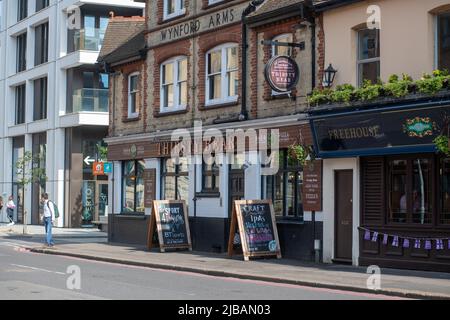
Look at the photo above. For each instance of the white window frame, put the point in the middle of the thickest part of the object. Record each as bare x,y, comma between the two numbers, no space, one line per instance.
178,9
278,38
436,38
365,61
210,2
224,76
176,85
135,114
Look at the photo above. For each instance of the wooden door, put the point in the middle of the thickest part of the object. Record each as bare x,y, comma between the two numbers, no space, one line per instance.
343,215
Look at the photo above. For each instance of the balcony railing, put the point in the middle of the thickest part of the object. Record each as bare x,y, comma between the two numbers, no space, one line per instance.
90,100
87,39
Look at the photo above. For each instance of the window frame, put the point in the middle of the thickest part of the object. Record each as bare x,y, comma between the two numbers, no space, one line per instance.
21,52
41,32
434,163
361,62
136,176
176,85
284,170
224,98
22,10
41,98
135,114
176,175
20,94
180,9
215,182
437,38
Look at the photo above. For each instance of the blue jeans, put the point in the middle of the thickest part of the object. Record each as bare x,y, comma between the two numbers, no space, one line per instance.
48,230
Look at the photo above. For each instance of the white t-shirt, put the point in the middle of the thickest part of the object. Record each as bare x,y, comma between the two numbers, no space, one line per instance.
47,212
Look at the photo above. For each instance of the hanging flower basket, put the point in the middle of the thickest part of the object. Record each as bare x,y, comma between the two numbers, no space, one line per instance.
300,153
442,143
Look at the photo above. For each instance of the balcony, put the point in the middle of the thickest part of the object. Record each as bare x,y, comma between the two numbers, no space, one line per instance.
86,39
90,100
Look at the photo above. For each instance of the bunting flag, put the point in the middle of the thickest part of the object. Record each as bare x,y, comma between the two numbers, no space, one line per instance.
375,237
395,241
417,244
385,239
398,241
406,243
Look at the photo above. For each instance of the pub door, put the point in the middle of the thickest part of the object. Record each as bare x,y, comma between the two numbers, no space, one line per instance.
343,195
236,192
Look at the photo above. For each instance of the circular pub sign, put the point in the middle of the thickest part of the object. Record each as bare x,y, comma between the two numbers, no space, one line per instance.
282,73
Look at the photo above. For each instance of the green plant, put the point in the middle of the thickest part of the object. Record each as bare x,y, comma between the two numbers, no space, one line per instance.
319,96
29,170
442,144
299,153
102,151
368,91
431,84
343,93
396,87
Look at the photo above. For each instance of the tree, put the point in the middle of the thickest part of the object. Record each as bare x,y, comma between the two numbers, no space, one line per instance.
30,170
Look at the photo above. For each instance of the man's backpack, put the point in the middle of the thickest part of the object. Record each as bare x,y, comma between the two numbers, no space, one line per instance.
55,209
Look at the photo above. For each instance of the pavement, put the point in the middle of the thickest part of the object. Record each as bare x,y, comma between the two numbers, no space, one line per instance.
92,246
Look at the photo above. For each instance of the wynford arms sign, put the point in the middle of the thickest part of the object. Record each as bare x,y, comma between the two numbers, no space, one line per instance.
198,25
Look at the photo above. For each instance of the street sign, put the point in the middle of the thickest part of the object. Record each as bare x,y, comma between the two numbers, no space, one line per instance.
107,167
97,169
88,160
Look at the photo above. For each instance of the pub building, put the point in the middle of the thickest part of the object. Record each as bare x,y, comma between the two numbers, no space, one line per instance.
205,61
387,185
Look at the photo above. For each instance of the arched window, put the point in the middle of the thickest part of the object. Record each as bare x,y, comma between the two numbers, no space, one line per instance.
222,74
174,92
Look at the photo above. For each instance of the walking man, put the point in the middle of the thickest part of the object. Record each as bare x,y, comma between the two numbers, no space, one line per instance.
49,219
10,210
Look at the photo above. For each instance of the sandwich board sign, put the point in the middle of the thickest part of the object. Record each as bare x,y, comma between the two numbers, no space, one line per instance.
255,220
170,220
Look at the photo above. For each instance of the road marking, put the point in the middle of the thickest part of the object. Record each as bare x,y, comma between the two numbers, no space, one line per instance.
37,269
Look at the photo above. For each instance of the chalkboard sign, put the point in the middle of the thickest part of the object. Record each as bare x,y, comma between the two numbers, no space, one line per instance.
257,229
170,219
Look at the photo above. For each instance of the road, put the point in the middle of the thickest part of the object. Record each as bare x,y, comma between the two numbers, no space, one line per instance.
31,276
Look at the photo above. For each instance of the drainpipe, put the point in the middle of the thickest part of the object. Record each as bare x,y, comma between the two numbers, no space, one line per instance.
310,17
251,8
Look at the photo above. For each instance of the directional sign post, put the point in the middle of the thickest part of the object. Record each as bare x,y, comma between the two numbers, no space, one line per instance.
88,160
107,167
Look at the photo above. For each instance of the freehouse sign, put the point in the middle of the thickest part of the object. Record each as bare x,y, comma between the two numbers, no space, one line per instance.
199,25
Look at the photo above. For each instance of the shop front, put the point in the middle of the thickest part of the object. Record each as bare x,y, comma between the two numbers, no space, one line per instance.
389,184
145,171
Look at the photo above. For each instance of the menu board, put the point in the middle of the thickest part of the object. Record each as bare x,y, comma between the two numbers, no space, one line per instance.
312,186
257,229
170,219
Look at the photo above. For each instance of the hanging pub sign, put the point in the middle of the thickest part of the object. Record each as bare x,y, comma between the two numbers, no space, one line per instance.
282,73
171,221
257,229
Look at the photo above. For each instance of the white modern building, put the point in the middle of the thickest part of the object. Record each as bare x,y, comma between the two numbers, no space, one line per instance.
54,102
